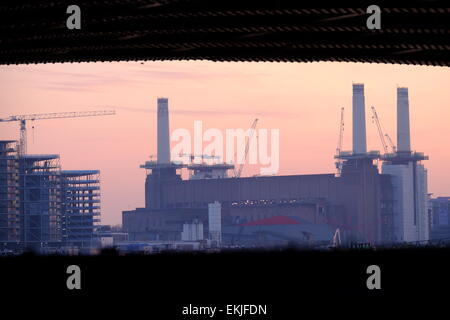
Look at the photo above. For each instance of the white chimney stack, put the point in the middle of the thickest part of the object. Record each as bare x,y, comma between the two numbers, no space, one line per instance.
403,132
359,119
163,131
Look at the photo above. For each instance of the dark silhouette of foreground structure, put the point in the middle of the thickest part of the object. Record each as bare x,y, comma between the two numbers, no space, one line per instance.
412,32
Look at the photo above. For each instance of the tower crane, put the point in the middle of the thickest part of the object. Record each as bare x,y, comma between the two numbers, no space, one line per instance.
31,117
381,134
340,141
247,146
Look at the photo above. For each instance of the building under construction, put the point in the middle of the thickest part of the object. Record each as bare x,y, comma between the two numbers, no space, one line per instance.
364,204
40,201
42,207
9,195
80,191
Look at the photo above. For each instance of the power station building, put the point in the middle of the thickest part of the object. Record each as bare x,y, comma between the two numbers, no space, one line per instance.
43,207
361,202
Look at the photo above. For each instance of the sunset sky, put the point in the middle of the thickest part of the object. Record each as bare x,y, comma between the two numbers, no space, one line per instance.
303,100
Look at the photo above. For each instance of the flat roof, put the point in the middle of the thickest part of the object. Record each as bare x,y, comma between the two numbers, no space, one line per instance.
40,156
79,172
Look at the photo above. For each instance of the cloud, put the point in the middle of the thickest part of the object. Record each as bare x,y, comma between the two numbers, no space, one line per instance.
83,77
201,72
66,87
83,82
63,79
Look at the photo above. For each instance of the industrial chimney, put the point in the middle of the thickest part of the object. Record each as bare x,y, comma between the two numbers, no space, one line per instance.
403,132
359,119
163,131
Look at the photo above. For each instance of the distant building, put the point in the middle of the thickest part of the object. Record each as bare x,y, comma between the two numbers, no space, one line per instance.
440,207
366,205
110,235
354,202
440,218
161,225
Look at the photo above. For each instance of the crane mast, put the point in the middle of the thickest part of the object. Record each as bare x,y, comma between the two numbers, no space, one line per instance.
57,115
247,147
340,141
23,138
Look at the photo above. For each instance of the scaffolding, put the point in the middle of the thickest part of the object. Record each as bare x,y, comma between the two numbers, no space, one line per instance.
44,208
40,202
9,195
81,207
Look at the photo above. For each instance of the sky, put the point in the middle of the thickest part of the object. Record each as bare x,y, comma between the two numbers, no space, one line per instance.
302,100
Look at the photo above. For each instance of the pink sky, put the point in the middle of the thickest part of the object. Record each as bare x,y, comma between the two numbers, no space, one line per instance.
303,100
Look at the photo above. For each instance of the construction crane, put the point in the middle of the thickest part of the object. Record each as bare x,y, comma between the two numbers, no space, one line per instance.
340,141
392,145
31,117
247,146
380,130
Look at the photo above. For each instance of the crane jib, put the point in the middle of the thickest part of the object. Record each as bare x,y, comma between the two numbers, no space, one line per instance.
43,116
